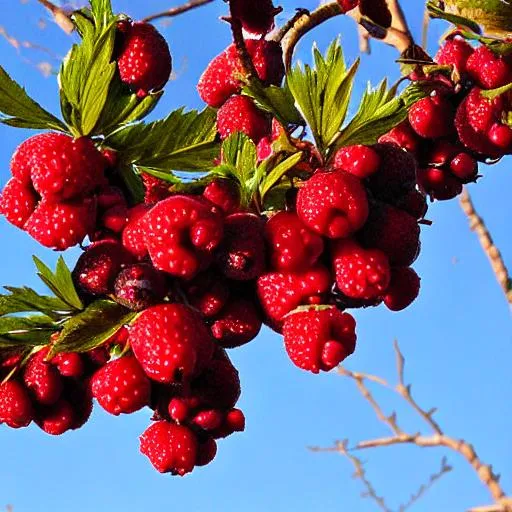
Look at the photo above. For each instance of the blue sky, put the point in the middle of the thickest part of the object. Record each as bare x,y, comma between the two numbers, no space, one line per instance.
456,339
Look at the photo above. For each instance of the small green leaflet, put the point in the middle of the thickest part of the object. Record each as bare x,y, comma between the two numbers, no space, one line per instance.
278,172
490,94
19,110
60,282
436,12
88,70
92,327
26,331
322,93
183,141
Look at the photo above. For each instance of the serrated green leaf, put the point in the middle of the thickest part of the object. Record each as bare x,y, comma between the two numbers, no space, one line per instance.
132,182
26,300
92,327
278,172
60,282
435,12
101,10
26,331
19,110
181,142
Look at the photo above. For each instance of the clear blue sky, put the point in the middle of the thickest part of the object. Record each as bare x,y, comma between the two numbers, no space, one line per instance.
456,338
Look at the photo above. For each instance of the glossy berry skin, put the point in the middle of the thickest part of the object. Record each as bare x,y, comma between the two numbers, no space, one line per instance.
359,160
139,286
170,448
432,117
256,16
221,79
240,114
333,204
17,202
144,62
206,452
241,255
403,136
281,292
464,167
238,323
208,292
56,419
292,246
224,194
62,225
439,184
181,232
121,386
209,419
63,168
16,409
488,70
360,273
319,339
97,268
134,233
394,232
414,203
155,189
403,289
501,136
454,52
42,379
171,343
69,364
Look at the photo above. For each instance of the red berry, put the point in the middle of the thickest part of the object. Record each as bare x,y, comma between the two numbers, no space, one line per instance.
432,117
241,255
488,70
235,419
56,419
293,247
17,202
455,52
139,286
240,114
464,167
361,161
394,232
69,364
144,62
108,197
439,184
319,339
64,168
78,394
178,410
181,232
170,448
414,203
207,292
134,233
224,194
221,79
21,161
171,343
360,273
256,16
404,136
333,204
15,406
62,225
403,289
209,419
155,189
206,451
97,268
501,136
238,323
42,379
115,218
121,386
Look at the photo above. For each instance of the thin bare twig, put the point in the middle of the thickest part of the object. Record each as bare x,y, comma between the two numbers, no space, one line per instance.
174,11
60,16
477,225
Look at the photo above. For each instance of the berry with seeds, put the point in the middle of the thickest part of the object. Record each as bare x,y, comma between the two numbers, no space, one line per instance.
454,52
69,364
359,160
17,202
134,233
208,292
403,136
439,184
224,194
464,167
488,70
403,289
432,117
15,406
56,419
42,379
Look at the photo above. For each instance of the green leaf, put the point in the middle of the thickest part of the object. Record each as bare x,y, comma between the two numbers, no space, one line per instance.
60,282
102,10
26,331
494,93
19,110
169,177
322,93
26,300
278,172
92,327
133,183
183,141
460,21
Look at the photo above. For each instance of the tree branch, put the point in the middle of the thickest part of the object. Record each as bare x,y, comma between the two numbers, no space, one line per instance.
174,11
477,225
60,16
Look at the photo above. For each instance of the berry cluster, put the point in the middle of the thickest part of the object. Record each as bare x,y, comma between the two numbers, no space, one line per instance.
463,119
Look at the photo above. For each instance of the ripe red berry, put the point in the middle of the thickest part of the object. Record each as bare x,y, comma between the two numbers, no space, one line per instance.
208,292
360,273
333,204
240,114
432,117
97,268
63,168
241,255
403,289
171,343
454,52
235,419
78,395
178,409
115,218
209,419
69,364
292,246
17,202
501,136
256,16
361,161
224,194
439,184
144,62
134,233
57,418
319,339
42,379
181,232
15,406
414,203
464,167
206,451
488,70
403,136
170,448
62,225
121,386
155,189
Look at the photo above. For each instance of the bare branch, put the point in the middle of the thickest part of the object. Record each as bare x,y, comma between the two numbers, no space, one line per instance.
60,16
174,11
477,225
